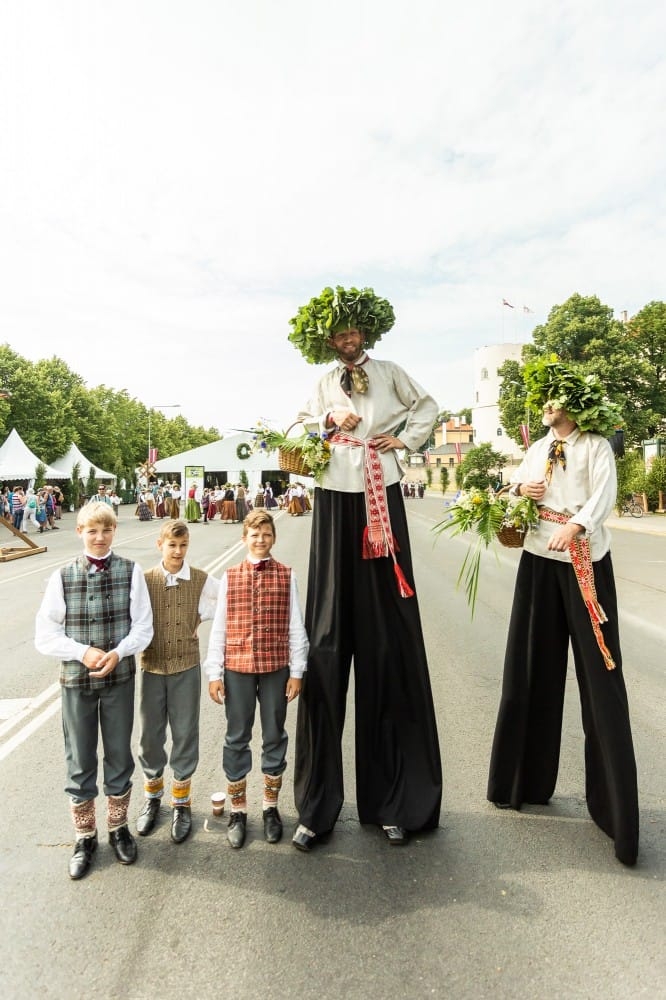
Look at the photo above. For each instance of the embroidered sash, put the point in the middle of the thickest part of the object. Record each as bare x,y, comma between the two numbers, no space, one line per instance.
378,540
581,560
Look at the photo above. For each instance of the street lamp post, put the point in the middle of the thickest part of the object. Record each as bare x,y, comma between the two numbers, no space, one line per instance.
156,406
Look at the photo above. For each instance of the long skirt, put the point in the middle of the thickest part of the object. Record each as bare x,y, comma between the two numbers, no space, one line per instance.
192,510
143,510
548,610
354,611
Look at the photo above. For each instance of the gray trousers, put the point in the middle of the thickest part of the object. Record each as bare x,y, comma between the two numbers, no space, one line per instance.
174,699
241,694
86,714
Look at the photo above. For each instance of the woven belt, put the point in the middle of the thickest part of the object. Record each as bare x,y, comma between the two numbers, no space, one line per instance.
378,538
581,560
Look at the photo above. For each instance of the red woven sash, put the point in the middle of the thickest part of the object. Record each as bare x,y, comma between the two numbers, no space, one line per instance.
378,540
581,560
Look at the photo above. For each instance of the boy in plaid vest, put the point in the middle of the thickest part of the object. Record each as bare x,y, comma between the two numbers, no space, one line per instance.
181,597
95,616
257,653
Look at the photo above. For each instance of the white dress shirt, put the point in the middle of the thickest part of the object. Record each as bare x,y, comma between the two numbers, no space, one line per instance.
298,639
50,637
208,598
392,397
586,490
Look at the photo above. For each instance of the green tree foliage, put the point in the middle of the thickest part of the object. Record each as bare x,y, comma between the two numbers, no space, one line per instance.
481,467
513,407
51,407
630,477
630,360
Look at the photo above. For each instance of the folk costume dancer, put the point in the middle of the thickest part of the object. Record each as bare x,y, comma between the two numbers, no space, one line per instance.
361,603
565,590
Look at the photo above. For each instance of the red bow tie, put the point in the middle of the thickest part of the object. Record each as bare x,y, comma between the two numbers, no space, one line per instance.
260,565
98,563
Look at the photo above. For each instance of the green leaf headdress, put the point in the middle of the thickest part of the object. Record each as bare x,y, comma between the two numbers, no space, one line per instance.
339,309
550,381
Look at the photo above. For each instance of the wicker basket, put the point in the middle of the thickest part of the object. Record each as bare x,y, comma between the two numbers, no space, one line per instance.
508,536
291,460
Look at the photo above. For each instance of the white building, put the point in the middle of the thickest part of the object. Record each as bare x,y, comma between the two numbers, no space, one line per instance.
485,411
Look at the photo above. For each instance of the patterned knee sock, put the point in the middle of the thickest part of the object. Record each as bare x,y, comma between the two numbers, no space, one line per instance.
116,810
272,786
153,788
181,793
237,795
83,817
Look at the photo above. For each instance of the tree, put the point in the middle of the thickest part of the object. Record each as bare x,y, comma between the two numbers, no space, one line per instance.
481,467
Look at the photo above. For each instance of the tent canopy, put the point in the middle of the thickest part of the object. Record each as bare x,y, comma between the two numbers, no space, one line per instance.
73,457
18,462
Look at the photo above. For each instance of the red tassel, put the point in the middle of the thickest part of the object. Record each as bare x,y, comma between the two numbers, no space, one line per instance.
374,548
403,586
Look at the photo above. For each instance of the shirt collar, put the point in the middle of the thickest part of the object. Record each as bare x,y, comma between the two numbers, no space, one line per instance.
171,578
361,361
569,439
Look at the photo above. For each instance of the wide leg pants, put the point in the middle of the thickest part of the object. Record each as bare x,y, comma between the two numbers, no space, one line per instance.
548,610
354,611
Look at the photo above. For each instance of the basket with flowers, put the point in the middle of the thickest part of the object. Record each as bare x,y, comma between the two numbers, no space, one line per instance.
489,516
307,454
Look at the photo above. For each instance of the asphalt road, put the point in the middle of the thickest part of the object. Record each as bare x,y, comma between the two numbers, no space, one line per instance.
492,904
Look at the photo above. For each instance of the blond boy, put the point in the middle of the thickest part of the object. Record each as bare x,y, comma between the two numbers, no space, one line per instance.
95,616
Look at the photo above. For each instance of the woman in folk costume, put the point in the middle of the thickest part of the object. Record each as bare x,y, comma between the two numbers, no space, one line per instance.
565,592
361,603
193,506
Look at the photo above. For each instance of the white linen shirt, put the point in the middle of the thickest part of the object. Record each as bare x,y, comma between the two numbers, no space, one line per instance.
298,640
50,637
392,397
586,490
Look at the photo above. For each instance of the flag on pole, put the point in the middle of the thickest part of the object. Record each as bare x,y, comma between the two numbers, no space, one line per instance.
505,303
526,309
458,451
152,456
525,435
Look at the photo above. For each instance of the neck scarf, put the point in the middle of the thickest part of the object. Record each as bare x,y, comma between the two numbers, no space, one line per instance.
556,456
354,377
378,538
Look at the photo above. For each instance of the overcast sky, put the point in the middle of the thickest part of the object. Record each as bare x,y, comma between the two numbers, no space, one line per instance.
177,178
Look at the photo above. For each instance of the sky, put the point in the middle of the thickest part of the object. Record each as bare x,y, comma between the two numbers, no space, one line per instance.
176,179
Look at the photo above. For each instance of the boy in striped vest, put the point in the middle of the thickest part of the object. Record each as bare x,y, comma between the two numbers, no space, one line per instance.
181,597
95,617
257,653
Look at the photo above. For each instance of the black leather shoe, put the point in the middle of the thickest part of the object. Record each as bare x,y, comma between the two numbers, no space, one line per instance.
236,831
181,825
303,841
396,835
272,825
81,859
147,818
124,845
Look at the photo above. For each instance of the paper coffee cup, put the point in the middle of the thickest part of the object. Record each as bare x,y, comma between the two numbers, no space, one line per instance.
217,801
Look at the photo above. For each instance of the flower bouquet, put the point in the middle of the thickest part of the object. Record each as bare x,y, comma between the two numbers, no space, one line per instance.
308,454
489,516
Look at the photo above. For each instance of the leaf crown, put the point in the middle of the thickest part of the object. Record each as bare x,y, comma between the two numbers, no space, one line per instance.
339,309
548,380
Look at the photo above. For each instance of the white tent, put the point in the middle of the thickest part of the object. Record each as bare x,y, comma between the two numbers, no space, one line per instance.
74,455
222,457
17,462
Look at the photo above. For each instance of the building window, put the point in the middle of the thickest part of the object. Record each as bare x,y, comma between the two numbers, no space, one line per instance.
452,462
499,432
471,439
484,373
439,461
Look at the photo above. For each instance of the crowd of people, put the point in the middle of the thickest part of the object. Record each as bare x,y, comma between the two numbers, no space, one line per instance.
23,507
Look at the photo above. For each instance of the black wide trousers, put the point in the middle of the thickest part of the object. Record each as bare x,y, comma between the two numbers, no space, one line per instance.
548,610
354,611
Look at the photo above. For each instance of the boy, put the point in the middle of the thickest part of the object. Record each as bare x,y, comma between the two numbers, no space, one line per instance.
95,616
181,598
257,652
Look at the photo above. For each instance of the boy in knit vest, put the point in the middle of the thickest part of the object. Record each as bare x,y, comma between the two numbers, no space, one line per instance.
257,653
181,597
95,616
